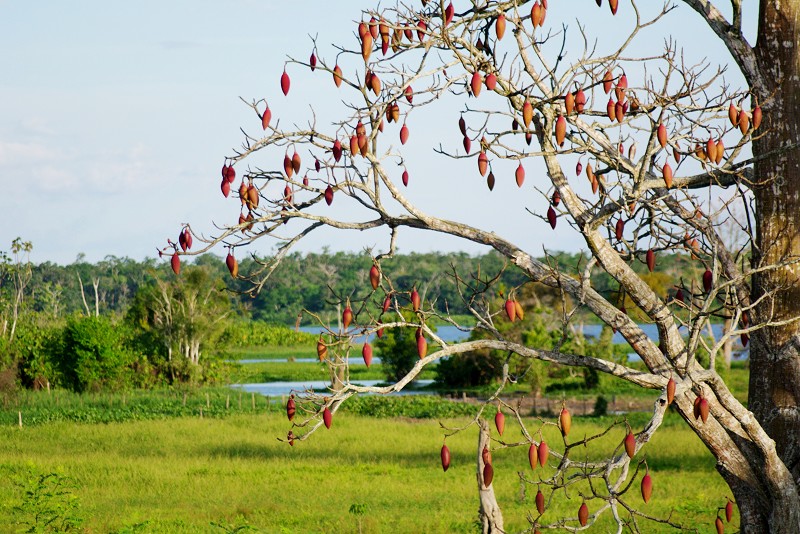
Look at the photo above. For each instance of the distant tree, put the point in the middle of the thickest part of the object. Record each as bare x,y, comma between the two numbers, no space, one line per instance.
183,316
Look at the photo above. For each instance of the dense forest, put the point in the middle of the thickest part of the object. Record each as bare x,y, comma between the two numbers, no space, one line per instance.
312,282
122,323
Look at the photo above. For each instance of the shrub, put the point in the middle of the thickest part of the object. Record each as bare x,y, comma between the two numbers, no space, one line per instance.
93,354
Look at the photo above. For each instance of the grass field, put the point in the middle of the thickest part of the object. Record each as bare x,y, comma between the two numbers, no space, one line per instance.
185,473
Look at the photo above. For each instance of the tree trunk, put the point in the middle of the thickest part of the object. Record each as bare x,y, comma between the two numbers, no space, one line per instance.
489,512
774,358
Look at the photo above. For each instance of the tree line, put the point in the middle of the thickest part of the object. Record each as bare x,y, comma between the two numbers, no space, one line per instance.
121,323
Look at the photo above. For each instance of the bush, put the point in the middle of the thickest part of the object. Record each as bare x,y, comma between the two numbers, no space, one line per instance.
476,368
93,355
398,352
600,406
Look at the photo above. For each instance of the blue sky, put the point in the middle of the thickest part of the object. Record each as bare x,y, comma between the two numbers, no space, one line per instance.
116,117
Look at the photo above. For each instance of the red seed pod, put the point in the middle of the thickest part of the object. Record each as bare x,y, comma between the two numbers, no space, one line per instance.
733,115
467,144
422,347
757,117
366,353
578,168
719,525
630,444
266,117
327,417
500,26
708,279
729,511
569,103
647,487
486,455
666,171
561,130
539,502
519,175
670,390
619,111
225,187
386,303
483,163
703,409
613,4
551,217
679,295
488,475
445,454
312,61
565,421
475,83
347,316
329,195
556,199
661,134
745,339
490,181
491,81
543,452
285,82
608,81
415,299
337,75
322,348
500,421
744,122
337,150
580,101
611,110
583,514
533,455
403,134
527,113
511,310
374,277
696,408
619,229
650,259
175,262
290,408
232,264
462,125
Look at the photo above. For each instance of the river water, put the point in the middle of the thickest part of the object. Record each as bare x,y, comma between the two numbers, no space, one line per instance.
448,333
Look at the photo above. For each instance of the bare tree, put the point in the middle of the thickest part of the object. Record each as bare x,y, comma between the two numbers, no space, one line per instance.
656,138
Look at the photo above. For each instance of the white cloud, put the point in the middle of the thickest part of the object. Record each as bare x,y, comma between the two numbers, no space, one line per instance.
15,153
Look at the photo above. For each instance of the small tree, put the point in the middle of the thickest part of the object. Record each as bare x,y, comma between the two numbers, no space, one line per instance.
633,148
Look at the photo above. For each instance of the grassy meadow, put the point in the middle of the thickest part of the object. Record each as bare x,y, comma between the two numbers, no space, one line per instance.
217,474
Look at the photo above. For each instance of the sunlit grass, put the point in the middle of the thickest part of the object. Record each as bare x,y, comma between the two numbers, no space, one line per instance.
180,475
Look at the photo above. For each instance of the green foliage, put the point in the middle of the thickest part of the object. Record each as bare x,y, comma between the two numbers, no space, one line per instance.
397,350
48,503
415,406
93,355
476,368
600,406
259,333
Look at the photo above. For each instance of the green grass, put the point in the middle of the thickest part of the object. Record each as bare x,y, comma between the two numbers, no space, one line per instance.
180,475
272,352
298,371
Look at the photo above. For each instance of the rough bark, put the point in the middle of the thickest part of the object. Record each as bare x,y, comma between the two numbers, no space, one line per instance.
774,357
490,515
